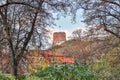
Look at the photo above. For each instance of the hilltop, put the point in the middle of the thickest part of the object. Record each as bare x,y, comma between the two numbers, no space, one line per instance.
80,50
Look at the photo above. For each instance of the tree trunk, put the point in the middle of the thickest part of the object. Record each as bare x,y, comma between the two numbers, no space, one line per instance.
15,68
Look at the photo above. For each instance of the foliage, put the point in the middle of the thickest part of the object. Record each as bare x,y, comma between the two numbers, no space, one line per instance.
6,77
101,68
105,69
32,78
36,65
65,72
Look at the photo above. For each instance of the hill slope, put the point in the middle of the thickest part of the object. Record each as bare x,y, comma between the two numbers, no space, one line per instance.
81,50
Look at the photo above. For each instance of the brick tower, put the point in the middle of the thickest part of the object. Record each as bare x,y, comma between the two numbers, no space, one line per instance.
59,37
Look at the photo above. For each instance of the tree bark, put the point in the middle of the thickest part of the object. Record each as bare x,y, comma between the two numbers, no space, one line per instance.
15,68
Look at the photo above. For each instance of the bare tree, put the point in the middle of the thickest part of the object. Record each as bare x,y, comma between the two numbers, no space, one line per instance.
90,33
22,20
77,34
102,13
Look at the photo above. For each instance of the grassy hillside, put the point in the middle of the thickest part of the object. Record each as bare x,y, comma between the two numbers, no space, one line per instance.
80,50
86,50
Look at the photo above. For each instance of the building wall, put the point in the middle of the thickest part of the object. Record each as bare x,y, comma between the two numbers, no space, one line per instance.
59,37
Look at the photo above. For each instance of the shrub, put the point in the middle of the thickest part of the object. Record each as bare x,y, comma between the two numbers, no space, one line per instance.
65,72
6,77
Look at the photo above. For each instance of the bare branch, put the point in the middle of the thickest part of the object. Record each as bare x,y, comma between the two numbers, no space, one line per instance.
20,3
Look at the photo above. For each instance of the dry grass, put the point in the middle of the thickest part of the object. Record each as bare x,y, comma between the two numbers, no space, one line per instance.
80,50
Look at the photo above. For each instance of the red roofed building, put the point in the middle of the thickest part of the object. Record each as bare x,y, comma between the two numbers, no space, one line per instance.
58,58
36,57
50,56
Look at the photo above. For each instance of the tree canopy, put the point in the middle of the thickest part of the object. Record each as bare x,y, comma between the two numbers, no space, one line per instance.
103,14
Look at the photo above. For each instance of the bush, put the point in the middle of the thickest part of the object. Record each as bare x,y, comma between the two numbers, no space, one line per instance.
104,69
6,77
65,72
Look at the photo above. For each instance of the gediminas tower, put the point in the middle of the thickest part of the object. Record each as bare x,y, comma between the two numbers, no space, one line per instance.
59,37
